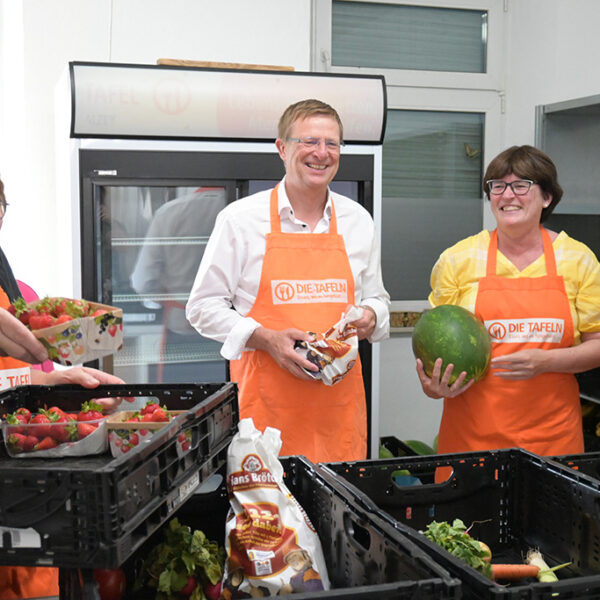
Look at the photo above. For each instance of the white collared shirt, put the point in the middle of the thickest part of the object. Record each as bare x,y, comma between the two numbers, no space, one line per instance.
227,281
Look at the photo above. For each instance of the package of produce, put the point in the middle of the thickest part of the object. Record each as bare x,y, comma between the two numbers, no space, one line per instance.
334,351
128,429
55,433
73,331
272,547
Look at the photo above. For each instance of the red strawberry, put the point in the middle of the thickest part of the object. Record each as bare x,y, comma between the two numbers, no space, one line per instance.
99,312
79,308
20,310
46,444
30,442
90,411
41,430
59,411
134,439
60,307
18,420
112,330
151,406
62,433
25,412
85,429
64,318
16,441
41,321
160,415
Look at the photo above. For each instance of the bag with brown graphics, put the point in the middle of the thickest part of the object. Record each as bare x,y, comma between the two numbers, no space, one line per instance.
334,351
272,548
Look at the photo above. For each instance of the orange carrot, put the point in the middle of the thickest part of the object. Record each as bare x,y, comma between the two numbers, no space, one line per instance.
516,571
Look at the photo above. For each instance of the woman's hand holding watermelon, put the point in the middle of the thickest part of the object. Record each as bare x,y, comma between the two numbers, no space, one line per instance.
437,386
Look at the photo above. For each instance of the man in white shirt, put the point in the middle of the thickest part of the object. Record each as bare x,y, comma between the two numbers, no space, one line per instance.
285,262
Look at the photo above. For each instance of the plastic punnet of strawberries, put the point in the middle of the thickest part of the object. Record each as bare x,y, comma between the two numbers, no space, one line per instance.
46,429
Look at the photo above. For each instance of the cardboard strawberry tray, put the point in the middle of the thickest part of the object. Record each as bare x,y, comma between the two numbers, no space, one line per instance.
514,501
94,511
83,339
123,434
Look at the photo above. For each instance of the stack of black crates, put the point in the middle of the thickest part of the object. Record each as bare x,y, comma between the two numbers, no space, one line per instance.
91,512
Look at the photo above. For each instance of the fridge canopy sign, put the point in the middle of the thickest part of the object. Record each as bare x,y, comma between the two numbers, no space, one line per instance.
165,102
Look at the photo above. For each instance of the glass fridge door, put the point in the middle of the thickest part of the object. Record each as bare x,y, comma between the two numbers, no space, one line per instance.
151,241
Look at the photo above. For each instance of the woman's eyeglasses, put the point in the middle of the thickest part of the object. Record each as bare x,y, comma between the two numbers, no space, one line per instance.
519,187
3,206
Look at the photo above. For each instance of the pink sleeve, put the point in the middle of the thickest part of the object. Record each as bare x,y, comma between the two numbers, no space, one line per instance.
29,295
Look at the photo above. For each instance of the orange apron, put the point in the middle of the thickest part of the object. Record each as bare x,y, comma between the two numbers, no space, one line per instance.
324,423
541,414
13,372
22,582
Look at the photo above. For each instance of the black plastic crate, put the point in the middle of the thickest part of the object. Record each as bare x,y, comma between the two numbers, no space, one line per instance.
94,511
514,499
588,463
397,447
365,557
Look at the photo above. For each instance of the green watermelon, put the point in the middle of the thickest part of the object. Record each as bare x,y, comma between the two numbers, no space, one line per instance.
457,336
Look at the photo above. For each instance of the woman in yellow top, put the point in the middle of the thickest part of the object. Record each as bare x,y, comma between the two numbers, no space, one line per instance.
538,293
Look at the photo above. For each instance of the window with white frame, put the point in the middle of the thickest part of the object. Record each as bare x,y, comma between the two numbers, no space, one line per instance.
442,65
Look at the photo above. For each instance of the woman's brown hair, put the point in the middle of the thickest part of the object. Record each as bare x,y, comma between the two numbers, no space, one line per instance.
531,163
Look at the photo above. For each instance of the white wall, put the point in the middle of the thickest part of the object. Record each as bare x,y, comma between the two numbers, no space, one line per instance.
40,37
551,48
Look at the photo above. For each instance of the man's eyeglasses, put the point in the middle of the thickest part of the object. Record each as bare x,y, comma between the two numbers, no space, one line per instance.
519,187
312,143
3,206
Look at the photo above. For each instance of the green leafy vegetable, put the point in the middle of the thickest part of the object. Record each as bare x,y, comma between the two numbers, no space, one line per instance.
183,554
455,539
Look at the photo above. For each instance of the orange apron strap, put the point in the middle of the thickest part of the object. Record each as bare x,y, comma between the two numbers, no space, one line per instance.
274,211
551,269
549,253
490,269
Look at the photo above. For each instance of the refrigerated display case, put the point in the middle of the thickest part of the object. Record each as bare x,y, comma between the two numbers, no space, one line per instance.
147,181
146,216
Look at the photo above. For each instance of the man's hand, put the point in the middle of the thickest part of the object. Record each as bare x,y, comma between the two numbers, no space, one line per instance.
280,345
17,341
366,324
437,385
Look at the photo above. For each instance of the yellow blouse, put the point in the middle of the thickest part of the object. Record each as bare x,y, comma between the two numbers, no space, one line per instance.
455,276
